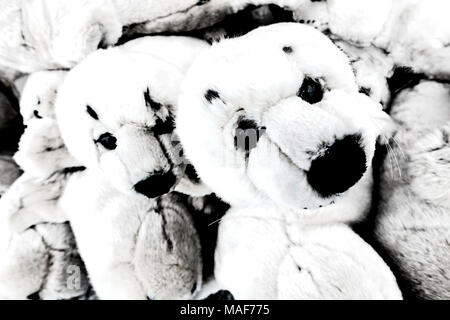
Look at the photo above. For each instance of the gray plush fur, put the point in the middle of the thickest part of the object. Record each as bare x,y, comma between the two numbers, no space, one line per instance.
413,222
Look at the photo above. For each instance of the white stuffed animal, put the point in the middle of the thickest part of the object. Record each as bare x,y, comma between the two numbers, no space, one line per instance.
44,34
115,115
41,149
42,155
41,261
47,34
413,221
274,124
413,33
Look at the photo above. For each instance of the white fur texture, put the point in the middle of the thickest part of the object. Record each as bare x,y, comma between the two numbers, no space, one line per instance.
43,261
133,247
266,233
45,34
266,93
413,221
292,260
35,34
41,149
111,82
39,260
414,33
32,200
372,67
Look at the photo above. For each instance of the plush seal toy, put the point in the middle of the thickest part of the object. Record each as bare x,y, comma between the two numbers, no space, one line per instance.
274,124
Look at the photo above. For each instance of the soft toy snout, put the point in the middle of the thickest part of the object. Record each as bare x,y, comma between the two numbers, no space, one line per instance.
156,184
339,167
143,159
327,142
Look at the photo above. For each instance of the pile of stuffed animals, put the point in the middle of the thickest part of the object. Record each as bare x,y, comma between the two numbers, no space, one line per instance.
246,149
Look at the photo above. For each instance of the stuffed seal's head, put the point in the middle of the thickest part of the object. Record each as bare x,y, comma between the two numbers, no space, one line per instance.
39,94
275,117
115,113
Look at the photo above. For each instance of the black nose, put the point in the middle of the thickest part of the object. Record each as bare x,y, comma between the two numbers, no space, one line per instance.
156,185
339,168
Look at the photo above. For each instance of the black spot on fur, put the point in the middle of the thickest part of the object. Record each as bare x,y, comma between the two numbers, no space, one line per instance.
191,173
402,78
287,49
67,171
149,102
445,136
164,233
36,114
202,2
311,90
70,170
220,295
245,124
165,152
163,127
366,91
91,112
102,44
211,94
107,140
39,101
194,287
34,296
339,168
49,149
245,20
281,14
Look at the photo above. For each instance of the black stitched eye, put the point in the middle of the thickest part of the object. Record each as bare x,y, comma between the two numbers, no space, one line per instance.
91,112
311,90
107,140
